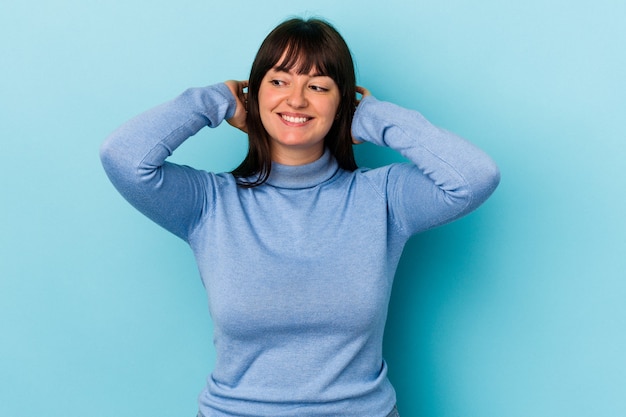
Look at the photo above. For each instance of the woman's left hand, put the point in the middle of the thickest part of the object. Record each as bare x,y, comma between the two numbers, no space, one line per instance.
364,92
239,90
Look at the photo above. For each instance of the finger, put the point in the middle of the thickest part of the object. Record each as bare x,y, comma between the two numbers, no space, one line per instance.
356,141
363,91
244,93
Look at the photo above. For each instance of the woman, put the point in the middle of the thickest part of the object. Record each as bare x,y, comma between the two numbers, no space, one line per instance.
297,248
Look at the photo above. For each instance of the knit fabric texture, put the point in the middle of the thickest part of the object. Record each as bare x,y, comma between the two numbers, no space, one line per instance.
299,270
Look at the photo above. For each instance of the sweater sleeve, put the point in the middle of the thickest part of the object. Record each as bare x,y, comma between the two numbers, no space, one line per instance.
447,178
134,158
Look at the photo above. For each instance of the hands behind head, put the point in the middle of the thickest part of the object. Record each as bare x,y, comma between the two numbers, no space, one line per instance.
364,92
240,91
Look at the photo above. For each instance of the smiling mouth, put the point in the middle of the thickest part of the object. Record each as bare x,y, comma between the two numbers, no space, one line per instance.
295,119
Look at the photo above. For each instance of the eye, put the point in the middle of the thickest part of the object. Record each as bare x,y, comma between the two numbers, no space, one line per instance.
277,83
318,88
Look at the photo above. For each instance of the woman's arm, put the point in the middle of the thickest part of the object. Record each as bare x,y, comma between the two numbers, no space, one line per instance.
134,157
448,178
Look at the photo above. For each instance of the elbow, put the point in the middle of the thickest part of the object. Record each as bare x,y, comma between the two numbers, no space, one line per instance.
106,151
126,166
116,159
492,176
111,156
495,175
486,181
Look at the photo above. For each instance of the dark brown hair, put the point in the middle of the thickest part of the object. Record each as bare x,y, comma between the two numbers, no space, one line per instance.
306,45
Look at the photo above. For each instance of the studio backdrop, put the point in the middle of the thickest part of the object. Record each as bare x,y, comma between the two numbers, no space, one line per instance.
516,310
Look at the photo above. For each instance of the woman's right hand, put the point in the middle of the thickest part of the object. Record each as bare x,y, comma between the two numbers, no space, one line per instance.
239,119
364,92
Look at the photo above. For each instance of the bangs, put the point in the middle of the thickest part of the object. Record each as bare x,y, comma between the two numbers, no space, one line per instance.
305,54
305,47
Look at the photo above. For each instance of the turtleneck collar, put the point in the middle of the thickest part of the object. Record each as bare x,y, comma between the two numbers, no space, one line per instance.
303,176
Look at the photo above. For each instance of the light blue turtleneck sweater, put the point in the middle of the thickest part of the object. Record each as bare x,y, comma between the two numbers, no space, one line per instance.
299,270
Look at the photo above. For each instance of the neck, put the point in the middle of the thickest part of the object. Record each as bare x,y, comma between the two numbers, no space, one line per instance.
296,156
303,176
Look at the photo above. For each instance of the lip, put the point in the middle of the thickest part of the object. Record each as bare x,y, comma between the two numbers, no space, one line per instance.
294,119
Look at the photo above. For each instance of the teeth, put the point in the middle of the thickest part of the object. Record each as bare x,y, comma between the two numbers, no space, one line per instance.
292,119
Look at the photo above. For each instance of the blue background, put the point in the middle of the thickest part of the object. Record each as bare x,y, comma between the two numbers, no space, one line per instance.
516,310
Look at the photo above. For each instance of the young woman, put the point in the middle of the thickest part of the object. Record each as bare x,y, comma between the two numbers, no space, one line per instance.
297,248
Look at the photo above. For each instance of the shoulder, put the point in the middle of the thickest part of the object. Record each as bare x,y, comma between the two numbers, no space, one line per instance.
375,179
384,173
222,180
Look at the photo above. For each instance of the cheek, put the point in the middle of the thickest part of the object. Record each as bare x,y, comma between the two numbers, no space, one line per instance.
332,108
265,119
261,98
336,104
265,105
264,95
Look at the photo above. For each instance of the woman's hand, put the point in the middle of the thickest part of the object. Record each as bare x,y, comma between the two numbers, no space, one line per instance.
241,112
364,92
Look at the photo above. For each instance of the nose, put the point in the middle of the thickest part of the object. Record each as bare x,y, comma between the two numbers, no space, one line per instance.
297,98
